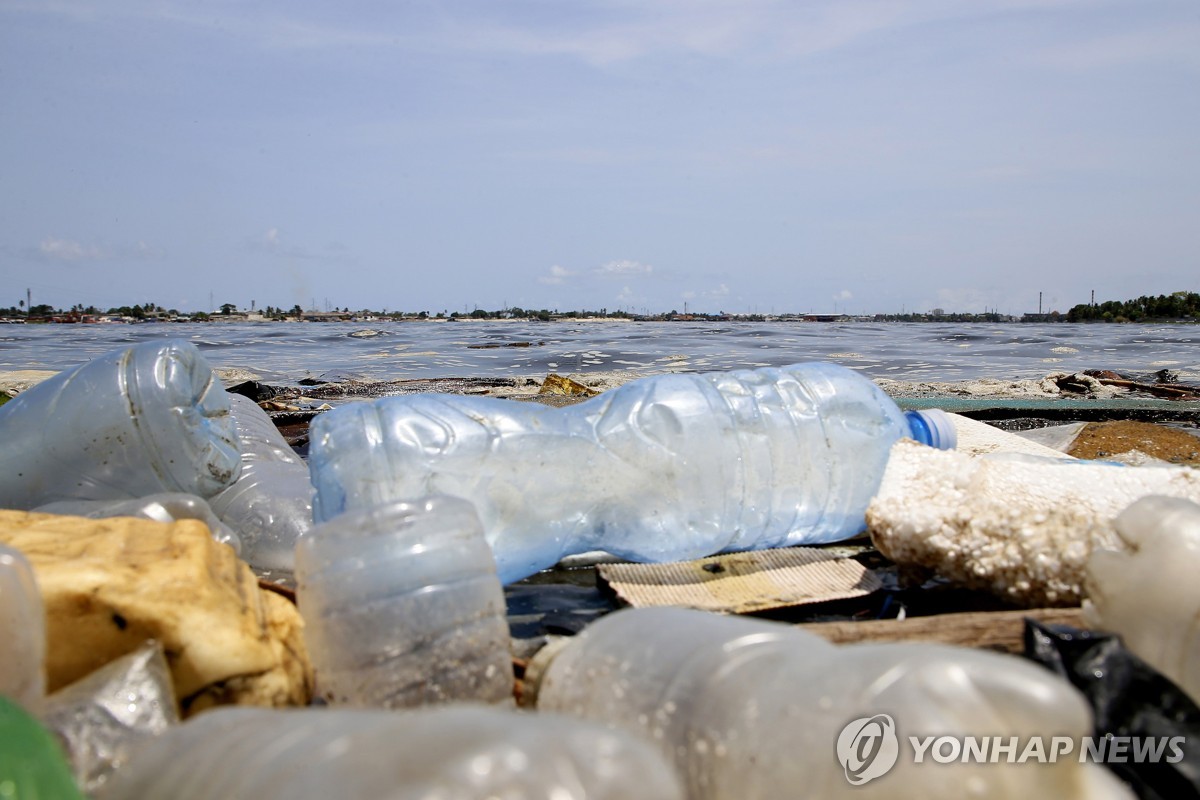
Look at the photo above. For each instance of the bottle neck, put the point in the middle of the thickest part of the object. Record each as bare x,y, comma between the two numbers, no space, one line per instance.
932,427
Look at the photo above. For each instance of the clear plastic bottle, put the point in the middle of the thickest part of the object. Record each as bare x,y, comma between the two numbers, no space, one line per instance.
402,607
161,507
755,710
145,419
664,468
450,753
270,503
23,631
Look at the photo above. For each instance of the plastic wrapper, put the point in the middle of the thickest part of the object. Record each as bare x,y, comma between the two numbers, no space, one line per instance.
138,421
1129,698
162,507
452,753
101,718
1148,592
270,503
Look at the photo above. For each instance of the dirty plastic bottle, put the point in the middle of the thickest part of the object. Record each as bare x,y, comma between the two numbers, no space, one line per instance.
161,507
270,503
23,631
141,420
755,710
664,468
402,607
102,717
1146,592
449,753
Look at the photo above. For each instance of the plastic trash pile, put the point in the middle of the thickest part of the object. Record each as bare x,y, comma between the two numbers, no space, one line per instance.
146,661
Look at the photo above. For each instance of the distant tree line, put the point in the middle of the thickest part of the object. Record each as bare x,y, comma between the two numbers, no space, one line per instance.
1178,306
1174,306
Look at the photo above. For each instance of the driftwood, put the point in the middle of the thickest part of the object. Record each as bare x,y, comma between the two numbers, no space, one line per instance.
1174,391
994,630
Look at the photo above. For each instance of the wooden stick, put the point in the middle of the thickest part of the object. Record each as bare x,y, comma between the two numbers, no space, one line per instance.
1160,389
994,630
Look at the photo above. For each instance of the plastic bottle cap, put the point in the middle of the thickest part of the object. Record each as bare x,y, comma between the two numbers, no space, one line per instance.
933,427
536,668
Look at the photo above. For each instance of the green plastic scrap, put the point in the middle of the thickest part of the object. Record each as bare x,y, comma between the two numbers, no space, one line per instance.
32,765
4,397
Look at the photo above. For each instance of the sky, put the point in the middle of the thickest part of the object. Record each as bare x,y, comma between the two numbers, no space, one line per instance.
745,156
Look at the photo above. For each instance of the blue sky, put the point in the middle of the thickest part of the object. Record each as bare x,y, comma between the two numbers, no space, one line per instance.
758,155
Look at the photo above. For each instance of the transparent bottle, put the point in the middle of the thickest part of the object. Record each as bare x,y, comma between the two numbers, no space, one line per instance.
161,507
755,710
402,607
137,421
23,631
664,468
270,503
449,753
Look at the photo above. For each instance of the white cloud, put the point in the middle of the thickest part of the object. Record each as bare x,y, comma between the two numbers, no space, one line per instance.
599,32
629,297
275,243
557,276
624,266
844,294
1179,44
143,250
69,250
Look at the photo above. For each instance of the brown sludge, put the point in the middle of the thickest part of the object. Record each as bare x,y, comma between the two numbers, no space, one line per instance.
1100,440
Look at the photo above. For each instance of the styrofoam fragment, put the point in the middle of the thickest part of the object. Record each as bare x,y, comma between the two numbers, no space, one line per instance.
1018,525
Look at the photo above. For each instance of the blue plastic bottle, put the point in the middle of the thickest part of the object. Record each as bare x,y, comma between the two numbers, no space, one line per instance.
664,468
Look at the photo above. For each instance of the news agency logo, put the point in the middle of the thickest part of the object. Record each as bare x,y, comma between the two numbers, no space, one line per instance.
867,748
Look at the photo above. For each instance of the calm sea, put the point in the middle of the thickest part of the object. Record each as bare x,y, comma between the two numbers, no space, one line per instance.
286,352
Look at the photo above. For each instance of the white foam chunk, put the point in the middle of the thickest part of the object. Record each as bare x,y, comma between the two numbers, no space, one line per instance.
1019,525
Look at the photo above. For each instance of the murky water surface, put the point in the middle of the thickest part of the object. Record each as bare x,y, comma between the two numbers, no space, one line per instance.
287,352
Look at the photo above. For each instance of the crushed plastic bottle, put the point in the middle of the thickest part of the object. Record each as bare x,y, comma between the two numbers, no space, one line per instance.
270,503
402,607
664,468
449,753
137,421
161,507
1148,593
23,631
755,710
101,718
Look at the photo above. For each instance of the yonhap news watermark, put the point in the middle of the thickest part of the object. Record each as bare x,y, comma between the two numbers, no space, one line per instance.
869,747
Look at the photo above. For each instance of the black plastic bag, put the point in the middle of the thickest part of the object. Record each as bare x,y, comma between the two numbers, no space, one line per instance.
1128,698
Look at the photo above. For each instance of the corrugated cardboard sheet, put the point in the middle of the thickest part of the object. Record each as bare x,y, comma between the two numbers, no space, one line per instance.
737,583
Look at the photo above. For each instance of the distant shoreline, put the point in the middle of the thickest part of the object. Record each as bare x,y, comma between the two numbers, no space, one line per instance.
226,319
1177,307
